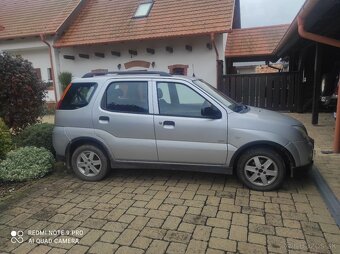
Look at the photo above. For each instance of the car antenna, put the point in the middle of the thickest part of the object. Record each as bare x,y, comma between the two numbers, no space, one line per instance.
193,70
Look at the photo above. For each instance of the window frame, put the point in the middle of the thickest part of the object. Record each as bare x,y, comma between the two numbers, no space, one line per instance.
103,100
95,85
151,3
156,104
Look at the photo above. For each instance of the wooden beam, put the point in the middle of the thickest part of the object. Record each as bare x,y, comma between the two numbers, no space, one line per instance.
133,52
69,57
116,53
84,56
101,55
150,51
169,49
317,84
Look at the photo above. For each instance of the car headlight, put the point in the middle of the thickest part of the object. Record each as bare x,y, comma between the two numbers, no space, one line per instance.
302,130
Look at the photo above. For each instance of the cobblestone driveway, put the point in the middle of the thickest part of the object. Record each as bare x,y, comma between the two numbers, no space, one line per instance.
137,211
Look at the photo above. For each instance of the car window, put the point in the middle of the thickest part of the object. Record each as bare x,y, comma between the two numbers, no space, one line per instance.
78,96
127,96
179,100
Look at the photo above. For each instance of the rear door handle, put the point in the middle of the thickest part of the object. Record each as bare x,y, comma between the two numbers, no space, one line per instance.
104,119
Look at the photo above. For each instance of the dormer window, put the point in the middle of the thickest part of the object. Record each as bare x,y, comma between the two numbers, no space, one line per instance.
143,10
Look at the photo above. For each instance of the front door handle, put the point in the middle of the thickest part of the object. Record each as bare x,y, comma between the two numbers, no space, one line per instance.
104,119
168,125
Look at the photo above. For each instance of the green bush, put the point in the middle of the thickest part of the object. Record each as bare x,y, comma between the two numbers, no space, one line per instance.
38,135
5,140
22,93
65,79
26,163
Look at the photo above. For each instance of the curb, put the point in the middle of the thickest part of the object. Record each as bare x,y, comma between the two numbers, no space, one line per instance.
333,204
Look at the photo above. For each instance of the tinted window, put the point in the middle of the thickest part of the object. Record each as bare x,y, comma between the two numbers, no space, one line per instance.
128,97
79,95
180,100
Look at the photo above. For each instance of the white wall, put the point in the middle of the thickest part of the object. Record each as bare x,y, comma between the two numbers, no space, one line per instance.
35,51
201,60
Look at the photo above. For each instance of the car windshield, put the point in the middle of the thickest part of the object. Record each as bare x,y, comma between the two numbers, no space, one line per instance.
218,95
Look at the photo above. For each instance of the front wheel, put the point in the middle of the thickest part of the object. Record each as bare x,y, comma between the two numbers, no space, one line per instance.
261,169
89,163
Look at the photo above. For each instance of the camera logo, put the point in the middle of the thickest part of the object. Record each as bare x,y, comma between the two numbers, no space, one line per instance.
17,236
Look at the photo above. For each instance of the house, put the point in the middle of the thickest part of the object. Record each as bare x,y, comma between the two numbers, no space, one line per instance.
248,48
28,28
180,37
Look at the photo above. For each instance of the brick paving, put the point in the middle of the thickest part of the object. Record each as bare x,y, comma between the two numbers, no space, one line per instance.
149,211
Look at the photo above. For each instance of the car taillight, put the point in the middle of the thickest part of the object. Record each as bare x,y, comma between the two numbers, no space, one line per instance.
62,97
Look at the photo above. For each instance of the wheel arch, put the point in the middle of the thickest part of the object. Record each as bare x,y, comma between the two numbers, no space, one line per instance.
286,155
75,143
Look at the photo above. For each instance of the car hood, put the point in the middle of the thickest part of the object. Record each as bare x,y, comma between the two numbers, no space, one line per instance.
267,116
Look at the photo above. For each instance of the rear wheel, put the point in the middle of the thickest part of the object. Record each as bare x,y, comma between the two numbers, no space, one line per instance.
89,163
261,169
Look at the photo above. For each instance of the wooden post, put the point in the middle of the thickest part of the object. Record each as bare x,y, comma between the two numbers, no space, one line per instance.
219,64
337,124
317,84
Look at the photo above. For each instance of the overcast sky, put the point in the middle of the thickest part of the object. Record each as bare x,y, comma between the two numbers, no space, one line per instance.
268,12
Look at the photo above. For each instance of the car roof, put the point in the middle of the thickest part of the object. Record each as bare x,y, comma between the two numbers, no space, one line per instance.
102,77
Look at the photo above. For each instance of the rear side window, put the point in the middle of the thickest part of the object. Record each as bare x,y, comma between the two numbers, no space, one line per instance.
79,95
127,97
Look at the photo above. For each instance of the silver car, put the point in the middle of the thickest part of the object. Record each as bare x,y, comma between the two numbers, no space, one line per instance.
156,120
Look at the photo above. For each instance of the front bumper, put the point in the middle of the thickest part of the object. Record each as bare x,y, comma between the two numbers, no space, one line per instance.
302,152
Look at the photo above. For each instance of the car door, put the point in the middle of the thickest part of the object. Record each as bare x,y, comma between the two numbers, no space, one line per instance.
124,120
183,134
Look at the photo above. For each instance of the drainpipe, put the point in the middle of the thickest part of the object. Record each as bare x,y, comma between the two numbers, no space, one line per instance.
334,43
43,39
219,63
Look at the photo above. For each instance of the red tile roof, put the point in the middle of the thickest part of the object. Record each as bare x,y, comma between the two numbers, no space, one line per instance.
103,21
21,18
257,41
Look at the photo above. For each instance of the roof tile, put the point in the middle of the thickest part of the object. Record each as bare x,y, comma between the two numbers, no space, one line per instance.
255,41
103,21
20,18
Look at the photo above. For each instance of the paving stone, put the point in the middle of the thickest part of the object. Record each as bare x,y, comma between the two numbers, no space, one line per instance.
186,227
220,233
257,238
201,233
222,244
115,226
176,236
94,223
154,233
238,233
297,244
91,237
289,232
142,242
240,219
109,237
78,249
250,248
276,244
197,247
171,223
157,246
139,222
220,223
194,219
129,250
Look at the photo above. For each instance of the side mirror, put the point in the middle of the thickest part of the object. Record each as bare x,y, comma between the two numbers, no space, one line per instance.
211,112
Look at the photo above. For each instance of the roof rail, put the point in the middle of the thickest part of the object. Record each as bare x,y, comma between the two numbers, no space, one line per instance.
160,73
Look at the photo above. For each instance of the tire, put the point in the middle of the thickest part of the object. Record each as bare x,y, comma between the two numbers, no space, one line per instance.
261,169
89,163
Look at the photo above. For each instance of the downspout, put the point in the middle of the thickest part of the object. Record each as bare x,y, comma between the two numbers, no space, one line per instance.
334,43
219,63
213,42
43,39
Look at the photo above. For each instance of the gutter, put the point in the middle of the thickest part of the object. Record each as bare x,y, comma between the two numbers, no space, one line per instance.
43,39
315,37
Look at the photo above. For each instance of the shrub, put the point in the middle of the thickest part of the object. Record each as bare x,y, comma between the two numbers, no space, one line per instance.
38,135
65,79
5,140
21,92
26,163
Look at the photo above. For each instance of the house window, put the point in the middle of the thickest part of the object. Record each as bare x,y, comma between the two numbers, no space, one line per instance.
49,73
38,73
178,69
143,10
